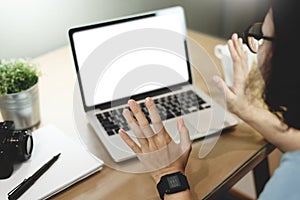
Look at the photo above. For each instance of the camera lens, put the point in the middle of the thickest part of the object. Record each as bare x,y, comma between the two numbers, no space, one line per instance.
23,144
29,145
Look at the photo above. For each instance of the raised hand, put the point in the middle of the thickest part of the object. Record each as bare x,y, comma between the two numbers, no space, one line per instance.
236,96
156,149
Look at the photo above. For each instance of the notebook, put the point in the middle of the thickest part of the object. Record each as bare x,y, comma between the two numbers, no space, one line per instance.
74,164
136,57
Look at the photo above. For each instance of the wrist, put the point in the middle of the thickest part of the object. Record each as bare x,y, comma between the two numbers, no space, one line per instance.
162,172
245,110
248,113
173,185
186,194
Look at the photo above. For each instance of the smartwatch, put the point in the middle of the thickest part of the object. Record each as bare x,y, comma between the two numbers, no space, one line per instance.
172,183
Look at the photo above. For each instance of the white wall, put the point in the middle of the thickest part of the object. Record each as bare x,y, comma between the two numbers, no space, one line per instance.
33,27
29,28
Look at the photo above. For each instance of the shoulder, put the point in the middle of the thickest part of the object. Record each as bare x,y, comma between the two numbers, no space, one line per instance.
285,182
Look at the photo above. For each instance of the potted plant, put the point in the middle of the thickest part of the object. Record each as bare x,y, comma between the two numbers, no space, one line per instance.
19,96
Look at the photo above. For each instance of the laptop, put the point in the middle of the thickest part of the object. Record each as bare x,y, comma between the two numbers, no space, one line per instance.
135,57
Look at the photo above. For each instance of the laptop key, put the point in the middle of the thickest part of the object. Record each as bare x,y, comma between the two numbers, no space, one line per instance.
110,133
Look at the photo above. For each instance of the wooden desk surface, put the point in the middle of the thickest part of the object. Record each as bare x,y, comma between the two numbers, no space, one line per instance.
234,153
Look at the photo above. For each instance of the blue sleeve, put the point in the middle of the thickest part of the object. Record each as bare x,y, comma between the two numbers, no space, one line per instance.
285,182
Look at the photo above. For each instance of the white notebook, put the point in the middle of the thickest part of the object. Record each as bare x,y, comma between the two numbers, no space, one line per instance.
75,163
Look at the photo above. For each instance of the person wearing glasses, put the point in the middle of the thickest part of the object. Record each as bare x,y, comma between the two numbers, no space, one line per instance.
276,42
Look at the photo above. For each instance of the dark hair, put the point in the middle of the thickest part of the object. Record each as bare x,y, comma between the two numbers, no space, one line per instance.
282,90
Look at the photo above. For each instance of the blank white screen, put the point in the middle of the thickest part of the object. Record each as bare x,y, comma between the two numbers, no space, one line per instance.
85,42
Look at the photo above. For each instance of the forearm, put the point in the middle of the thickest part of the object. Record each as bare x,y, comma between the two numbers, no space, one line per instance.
272,128
186,195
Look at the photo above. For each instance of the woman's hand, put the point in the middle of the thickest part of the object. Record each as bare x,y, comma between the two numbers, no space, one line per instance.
236,96
157,151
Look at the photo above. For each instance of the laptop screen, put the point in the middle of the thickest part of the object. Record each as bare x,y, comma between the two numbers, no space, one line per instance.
130,56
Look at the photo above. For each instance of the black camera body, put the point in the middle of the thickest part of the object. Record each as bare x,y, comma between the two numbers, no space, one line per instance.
15,146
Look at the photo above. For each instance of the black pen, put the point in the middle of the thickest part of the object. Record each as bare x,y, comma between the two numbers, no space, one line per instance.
27,183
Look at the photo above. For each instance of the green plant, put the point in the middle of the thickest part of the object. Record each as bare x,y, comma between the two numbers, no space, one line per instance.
17,75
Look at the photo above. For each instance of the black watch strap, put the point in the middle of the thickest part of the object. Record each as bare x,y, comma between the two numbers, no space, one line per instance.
172,183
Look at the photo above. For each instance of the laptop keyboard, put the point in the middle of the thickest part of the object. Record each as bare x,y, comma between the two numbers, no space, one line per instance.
169,107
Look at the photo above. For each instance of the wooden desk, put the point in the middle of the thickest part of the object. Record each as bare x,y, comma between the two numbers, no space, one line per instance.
236,153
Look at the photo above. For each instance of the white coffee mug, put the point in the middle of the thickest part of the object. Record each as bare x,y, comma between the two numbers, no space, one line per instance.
222,52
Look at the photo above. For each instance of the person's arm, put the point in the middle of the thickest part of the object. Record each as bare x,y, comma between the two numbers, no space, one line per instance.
272,128
184,195
265,122
157,151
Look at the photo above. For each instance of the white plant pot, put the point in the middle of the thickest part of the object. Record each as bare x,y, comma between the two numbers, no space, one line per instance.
23,108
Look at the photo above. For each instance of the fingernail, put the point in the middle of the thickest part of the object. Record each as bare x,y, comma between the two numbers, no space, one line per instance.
234,36
131,103
180,122
126,113
216,79
121,132
148,101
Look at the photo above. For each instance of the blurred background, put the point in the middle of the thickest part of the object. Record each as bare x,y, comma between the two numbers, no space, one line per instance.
30,28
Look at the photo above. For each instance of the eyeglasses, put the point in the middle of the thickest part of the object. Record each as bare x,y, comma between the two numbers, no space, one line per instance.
254,37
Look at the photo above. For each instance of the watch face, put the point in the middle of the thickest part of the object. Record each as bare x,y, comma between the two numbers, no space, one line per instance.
173,182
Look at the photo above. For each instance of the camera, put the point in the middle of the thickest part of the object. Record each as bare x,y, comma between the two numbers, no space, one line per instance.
15,146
